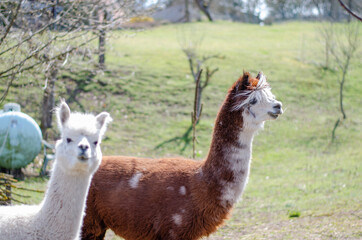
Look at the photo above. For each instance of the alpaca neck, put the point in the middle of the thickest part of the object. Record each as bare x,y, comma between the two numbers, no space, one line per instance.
227,166
64,203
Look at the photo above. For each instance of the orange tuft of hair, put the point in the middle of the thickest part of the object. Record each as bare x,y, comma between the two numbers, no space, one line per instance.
254,82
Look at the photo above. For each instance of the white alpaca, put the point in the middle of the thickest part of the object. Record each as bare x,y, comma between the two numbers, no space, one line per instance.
78,155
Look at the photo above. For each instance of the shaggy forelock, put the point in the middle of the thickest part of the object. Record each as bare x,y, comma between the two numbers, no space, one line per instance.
261,91
86,123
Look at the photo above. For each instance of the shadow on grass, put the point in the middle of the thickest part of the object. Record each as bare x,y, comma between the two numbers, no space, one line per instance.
78,83
184,139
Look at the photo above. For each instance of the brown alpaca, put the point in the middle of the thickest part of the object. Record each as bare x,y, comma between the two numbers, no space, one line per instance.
175,198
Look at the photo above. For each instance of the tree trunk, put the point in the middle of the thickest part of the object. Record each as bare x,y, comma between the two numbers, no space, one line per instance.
335,10
48,102
102,48
195,115
204,8
341,88
54,12
187,11
334,129
102,43
327,54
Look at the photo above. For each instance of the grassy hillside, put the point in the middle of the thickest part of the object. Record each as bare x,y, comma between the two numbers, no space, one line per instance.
296,171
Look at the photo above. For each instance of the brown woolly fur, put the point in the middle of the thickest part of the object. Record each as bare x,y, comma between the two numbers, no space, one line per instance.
175,198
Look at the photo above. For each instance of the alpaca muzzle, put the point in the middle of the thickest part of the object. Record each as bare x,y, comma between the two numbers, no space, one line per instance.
83,153
277,110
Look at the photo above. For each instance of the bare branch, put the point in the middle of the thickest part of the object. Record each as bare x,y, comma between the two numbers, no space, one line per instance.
209,75
53,58
217,56
25,59
31,36
191,65
204,8
11,22
349,10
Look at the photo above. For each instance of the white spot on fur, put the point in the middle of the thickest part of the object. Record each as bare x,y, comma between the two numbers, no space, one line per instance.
182,190
170,188
199,171
177,219
172,234
133,182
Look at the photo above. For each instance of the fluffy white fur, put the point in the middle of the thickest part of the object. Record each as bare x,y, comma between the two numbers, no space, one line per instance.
78,156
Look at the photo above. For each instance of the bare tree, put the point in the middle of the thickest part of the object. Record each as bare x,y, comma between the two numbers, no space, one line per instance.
41,37
325,32
344,43
190,44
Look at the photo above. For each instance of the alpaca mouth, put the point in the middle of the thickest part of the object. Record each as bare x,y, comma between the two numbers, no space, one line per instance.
273,115
83,158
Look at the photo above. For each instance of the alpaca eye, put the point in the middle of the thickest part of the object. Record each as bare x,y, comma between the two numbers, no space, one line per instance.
253,101
69,140
95,143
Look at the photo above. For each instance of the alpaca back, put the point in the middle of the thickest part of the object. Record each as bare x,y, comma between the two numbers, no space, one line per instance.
142,198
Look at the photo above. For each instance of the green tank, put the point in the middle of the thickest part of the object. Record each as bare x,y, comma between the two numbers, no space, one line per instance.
20,138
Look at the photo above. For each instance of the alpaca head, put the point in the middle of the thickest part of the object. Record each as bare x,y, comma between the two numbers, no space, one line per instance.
252,97
78,151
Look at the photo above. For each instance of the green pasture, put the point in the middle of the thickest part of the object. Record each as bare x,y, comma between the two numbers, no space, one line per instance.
301,185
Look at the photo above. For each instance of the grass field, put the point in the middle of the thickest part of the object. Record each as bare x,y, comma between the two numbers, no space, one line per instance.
301,186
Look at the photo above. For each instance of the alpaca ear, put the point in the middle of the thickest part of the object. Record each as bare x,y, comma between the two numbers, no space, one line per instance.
63,113
103,119
260,74
243,82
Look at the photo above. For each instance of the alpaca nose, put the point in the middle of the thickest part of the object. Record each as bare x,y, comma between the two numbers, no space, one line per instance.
278,107
83,154
83,147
